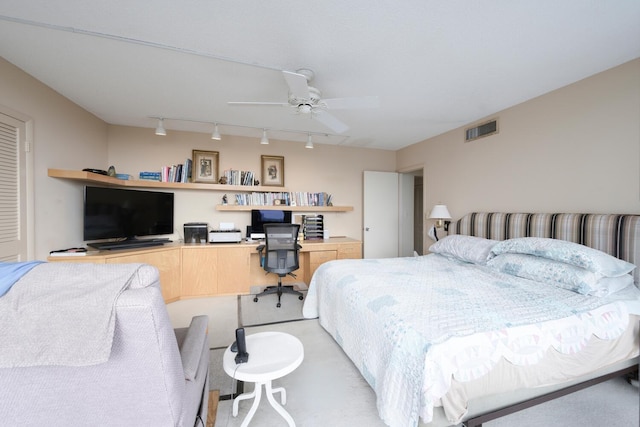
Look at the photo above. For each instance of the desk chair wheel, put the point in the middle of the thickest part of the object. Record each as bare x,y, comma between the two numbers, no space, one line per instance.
255,299
278,305
300,297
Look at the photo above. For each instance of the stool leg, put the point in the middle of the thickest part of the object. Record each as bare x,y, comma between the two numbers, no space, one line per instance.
283,394
276,406
243,396
258,394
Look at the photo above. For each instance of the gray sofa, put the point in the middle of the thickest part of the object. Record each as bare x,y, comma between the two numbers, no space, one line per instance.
154,376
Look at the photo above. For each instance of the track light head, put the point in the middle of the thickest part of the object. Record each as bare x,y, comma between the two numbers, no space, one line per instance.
160,128
264,140
216,134
309,143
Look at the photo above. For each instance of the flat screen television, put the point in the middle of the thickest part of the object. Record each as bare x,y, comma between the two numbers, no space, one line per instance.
118,213
260,217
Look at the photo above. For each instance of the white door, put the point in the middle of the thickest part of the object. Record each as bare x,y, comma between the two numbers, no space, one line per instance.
406,211
381,218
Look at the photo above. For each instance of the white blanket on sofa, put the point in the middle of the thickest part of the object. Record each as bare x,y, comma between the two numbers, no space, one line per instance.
64,313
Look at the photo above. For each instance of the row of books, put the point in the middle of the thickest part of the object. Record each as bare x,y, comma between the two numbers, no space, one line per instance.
294,198
238,177
174,173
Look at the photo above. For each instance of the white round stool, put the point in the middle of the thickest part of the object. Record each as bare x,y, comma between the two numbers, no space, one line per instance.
271,355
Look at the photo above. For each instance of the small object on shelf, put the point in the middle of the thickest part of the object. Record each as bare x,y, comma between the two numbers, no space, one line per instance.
224,199
98,171
150,176
111,171
123,176
69,252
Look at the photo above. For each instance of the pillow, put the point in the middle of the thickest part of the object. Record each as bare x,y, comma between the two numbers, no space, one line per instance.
471,249
608,285
563,275
567,252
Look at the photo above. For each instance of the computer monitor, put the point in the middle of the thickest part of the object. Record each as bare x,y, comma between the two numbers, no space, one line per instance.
259,217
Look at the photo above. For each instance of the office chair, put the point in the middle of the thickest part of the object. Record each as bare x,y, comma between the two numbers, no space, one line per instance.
281,250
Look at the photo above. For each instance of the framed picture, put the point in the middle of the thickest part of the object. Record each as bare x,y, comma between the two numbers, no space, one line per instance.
205,166
273,171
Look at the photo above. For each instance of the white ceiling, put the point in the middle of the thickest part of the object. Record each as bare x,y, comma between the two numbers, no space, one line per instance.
435,65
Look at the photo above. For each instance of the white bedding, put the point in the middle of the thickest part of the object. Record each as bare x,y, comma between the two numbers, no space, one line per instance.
410,325
63,314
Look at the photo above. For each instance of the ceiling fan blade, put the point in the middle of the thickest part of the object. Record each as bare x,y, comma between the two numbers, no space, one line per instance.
258,104
352,103
329,121
297,84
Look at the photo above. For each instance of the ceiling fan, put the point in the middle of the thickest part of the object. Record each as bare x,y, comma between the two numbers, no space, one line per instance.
307,99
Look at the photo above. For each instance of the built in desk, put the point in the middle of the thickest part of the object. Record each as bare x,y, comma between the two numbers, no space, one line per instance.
199,270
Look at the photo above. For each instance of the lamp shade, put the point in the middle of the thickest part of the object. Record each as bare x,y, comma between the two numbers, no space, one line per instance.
440,212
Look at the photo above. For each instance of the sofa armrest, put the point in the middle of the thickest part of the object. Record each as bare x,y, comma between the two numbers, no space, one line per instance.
191,348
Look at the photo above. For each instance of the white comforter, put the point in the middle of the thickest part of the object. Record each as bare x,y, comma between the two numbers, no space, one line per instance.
412,324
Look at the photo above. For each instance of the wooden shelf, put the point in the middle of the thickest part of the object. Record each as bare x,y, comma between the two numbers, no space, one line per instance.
97,178
108,180
285,207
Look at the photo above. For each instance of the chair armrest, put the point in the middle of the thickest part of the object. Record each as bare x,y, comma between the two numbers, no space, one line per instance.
191,348
260,248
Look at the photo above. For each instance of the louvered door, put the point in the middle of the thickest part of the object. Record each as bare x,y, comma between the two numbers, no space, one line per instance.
13,246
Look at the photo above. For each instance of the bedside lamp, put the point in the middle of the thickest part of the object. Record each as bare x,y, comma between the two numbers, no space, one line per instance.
439,213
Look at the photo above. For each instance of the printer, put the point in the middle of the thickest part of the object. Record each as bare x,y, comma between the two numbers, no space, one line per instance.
225,236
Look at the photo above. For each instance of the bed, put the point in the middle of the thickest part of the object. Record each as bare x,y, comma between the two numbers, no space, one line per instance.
507,307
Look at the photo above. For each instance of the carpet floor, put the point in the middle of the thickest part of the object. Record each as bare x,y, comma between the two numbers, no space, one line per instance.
327,389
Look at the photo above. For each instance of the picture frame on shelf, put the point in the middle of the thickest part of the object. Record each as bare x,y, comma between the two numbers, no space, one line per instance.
272,170
205,166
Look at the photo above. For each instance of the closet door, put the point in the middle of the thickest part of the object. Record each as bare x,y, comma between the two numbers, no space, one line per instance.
381,214
13,190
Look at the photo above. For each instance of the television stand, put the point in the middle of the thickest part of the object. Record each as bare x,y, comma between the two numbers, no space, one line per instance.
128,244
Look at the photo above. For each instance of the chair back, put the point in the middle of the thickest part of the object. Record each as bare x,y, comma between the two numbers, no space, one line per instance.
281,248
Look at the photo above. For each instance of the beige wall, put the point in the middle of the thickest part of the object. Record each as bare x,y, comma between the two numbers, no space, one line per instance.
64,136
335,170
576,149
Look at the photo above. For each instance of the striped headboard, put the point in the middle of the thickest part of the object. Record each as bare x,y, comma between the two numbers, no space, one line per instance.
617,235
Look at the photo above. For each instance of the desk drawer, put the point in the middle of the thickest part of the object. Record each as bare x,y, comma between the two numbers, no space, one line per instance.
320,257
350,250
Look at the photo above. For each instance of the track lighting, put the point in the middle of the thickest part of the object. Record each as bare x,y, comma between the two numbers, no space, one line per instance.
216,134
264,140
160,128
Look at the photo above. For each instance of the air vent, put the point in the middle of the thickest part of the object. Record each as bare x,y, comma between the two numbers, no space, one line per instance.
482,130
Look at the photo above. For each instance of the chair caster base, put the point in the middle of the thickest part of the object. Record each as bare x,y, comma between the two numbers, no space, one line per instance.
300,297
255,299
278,305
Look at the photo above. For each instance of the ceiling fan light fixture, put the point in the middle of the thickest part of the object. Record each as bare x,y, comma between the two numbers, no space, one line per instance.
264,140
309,143
304,108
160,130
216,134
